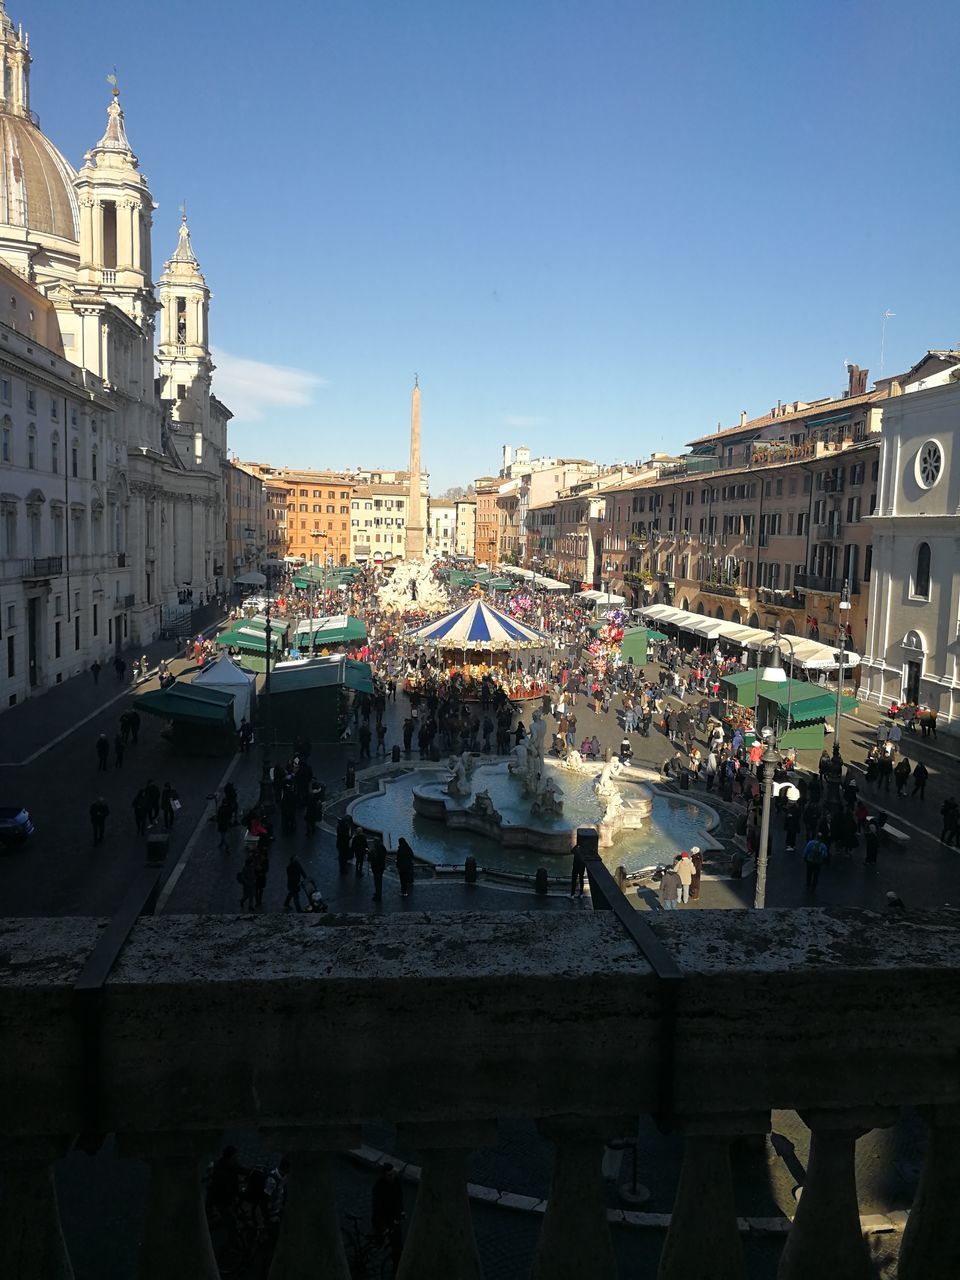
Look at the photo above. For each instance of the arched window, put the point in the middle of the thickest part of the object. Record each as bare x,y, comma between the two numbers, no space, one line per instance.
921,578
719,613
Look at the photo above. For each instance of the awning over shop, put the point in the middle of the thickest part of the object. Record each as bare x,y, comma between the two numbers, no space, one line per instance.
189,703
251,639
810,654
597,597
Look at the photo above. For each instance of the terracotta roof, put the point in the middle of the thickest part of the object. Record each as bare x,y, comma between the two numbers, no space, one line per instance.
811,410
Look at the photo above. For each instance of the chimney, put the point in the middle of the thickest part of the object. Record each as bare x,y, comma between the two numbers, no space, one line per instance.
857,380
743,417
507,455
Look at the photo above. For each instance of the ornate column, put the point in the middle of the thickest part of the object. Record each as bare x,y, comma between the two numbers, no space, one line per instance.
176,1240
703,1238
931,1241
441,1241
826,1239
575,1236
31,1237
310,1241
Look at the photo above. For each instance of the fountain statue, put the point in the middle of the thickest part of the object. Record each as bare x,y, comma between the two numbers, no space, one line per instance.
463,767
483,807
537,735
548,801
605,786
572,761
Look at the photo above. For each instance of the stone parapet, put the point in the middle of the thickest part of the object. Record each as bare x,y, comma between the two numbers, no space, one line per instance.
320,1024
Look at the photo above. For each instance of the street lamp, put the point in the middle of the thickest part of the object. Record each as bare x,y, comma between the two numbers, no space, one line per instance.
836,763
774,672
266,788
769,760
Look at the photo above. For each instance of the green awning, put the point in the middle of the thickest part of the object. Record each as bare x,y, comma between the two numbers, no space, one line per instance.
807,702
345,630
249,639
196,704
500,584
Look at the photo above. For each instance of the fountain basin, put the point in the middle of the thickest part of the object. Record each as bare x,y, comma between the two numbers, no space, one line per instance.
497,807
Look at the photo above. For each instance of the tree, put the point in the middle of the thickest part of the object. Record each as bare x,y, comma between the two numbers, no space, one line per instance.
455,492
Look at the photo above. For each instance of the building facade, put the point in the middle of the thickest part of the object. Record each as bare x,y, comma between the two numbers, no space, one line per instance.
442,527
247,546
912,652
113,496
466,517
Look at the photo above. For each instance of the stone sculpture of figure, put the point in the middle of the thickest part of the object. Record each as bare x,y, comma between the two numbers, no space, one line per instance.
604,785
518,765
483,806
548,800
573,761
537,735
462,766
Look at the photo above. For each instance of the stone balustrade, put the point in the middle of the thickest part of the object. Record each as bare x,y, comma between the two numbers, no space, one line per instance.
307,1027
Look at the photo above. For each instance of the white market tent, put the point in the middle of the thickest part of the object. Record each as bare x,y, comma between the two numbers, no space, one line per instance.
224,674
552,584
601,597
251,579
806,653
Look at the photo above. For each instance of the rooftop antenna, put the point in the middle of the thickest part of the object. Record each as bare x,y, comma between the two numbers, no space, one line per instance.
885,316
114,83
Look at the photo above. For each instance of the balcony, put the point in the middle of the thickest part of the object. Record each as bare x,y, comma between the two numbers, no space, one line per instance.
825,585
306,1037
721,589
781,599
33,569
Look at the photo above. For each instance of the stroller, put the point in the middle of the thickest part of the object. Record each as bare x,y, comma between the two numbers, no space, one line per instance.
315,902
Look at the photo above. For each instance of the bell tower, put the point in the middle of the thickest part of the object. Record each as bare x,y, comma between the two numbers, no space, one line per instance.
183,353
14,68
116,214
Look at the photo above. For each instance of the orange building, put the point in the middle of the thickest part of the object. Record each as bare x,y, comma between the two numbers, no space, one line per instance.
318,512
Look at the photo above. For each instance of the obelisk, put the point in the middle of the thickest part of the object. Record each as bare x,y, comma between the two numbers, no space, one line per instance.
415,526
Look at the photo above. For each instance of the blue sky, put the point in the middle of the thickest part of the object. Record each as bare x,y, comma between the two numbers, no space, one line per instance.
593,228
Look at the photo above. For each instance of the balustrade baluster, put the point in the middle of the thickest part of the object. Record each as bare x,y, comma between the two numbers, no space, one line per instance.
31,1237
703,1238
441,1240
310,1241
931,1241
176,1239
575,1236
826,1238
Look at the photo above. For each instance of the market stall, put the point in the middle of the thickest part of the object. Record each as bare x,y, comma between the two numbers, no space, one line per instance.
201,720
309,698
336,631
250,644
796,710
226,675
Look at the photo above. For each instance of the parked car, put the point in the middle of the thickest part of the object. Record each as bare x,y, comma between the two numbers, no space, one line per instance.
15,825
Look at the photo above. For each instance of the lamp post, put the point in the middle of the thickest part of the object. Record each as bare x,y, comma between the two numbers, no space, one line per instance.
769,760
266,785
836,764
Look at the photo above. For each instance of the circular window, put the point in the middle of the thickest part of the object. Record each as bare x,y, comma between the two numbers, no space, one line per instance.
929,464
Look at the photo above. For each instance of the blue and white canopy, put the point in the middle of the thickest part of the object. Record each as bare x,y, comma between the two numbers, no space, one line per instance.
477,626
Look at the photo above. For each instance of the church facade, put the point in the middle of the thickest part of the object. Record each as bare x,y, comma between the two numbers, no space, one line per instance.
112,505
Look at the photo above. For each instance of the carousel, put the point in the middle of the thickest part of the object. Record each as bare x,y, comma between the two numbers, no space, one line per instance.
477,642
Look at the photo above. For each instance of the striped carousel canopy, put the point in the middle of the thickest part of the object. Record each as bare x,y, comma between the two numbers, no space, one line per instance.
477,626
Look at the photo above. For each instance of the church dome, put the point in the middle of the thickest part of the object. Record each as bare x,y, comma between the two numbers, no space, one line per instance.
36,182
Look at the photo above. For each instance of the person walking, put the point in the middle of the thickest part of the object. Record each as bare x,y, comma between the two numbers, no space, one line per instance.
99,812
901,774
261,868
363,737
684,869
169,804
814,856
295,878
95,671
134,725
152,793
669,890
118,749
920,776
871,839
378,865
224,819
404,867
103,752
140,808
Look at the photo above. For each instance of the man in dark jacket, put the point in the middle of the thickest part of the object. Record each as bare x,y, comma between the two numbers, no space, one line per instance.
99,812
